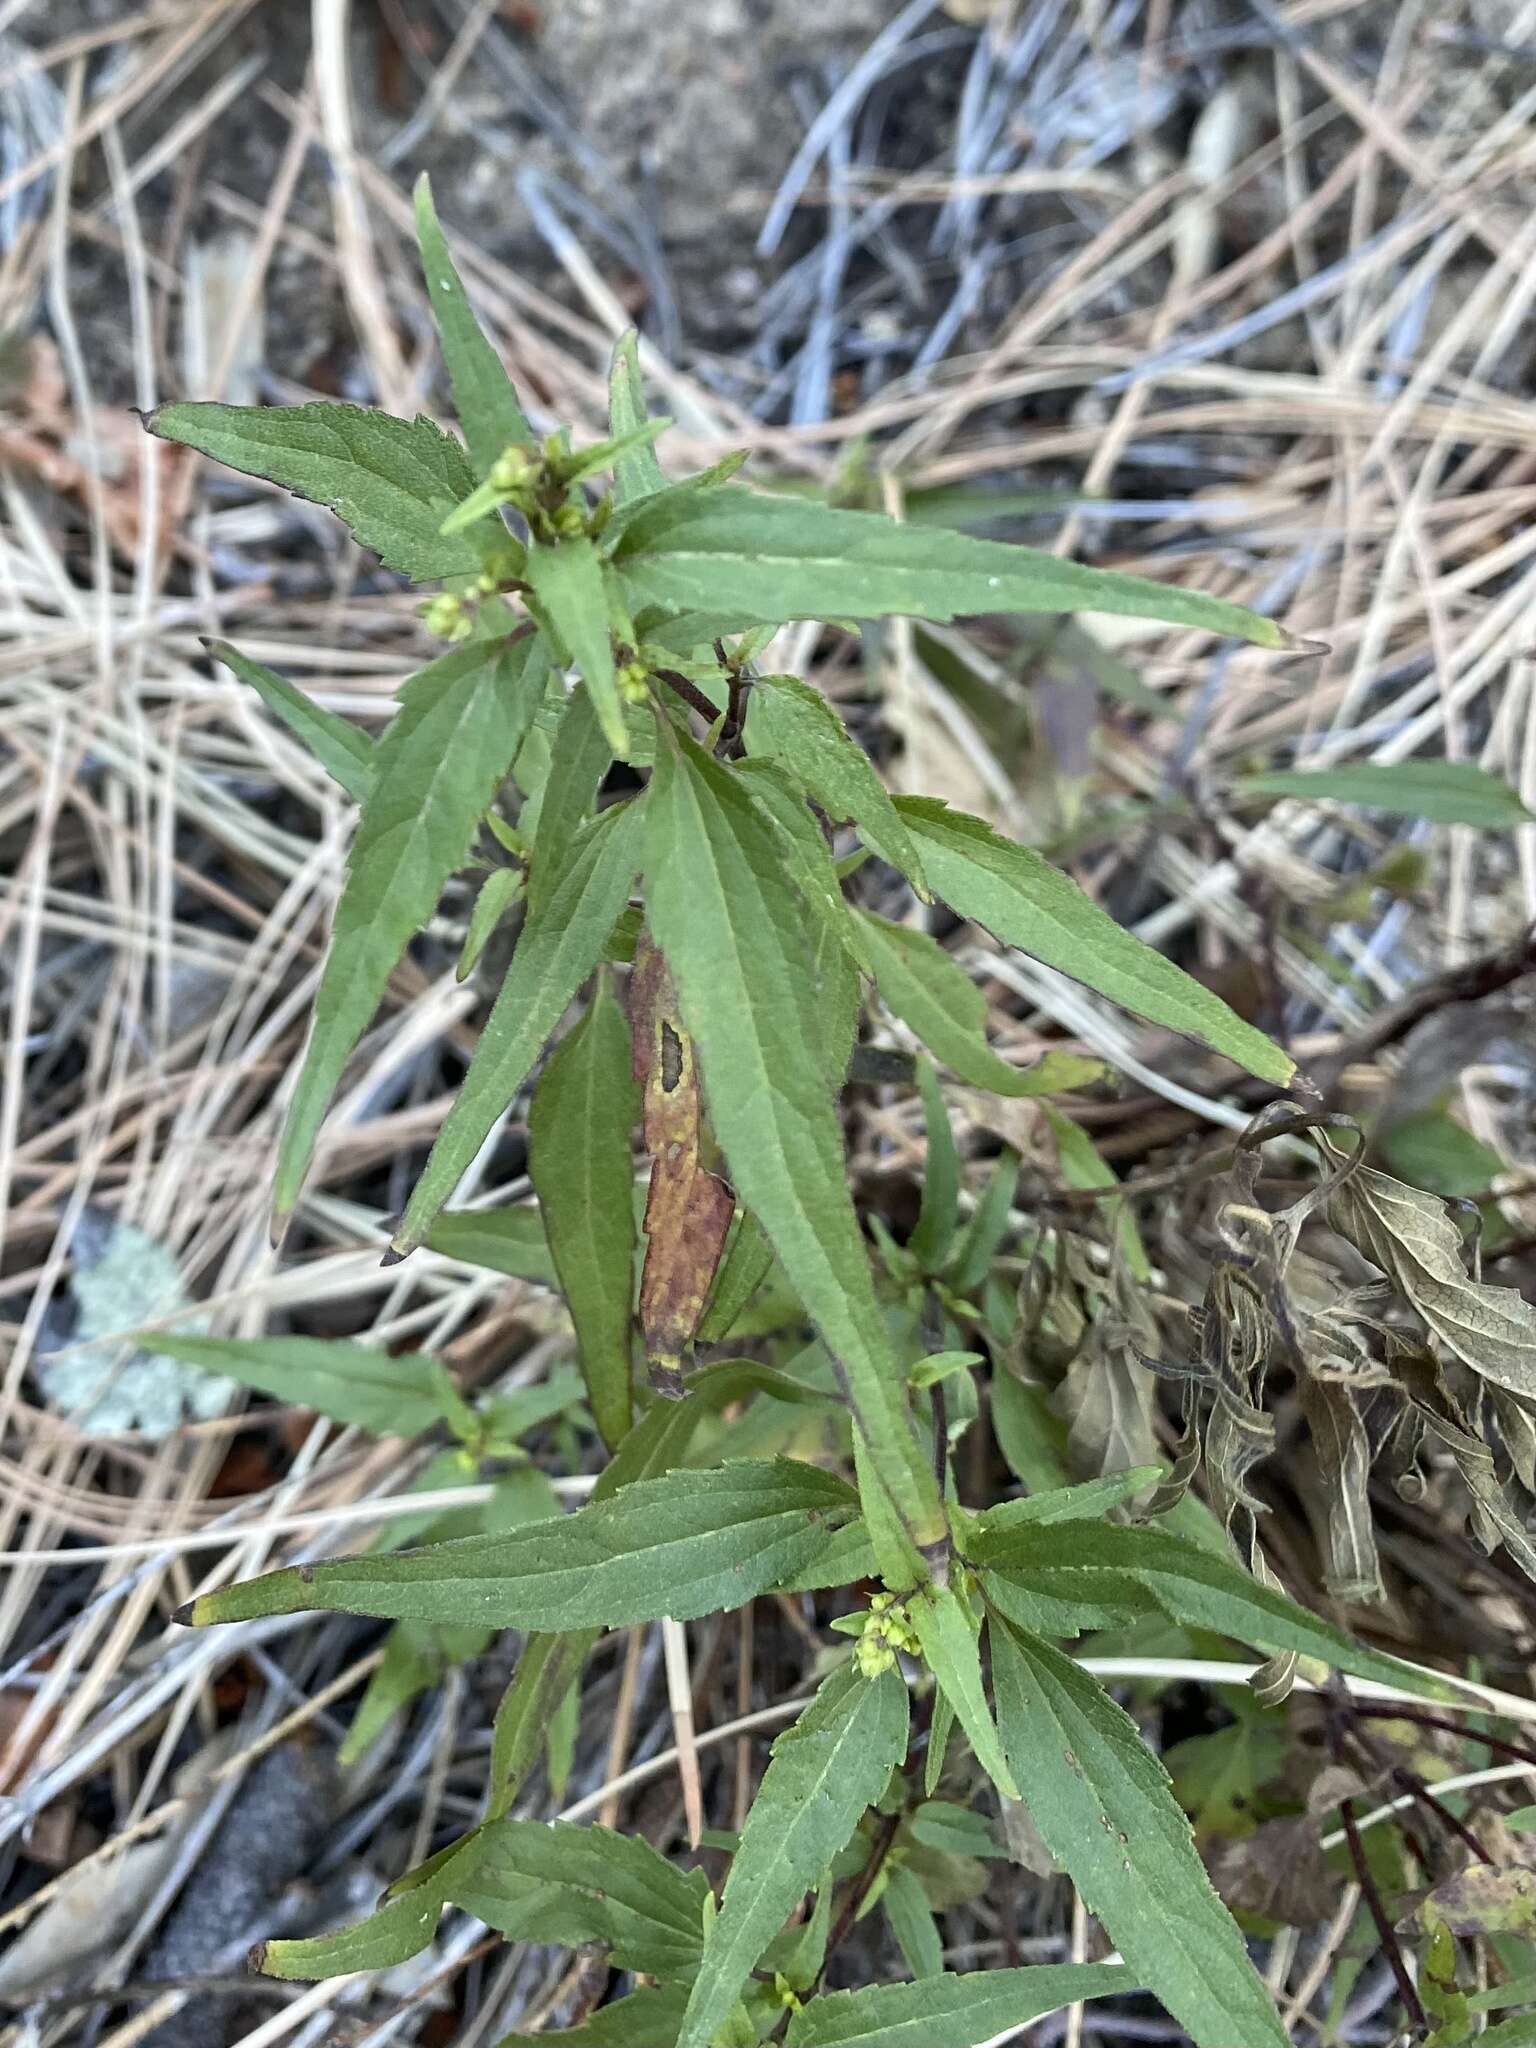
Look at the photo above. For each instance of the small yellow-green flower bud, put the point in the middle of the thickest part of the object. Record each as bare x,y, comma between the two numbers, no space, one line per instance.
873,1655
446,616
569,521
512,469
634,682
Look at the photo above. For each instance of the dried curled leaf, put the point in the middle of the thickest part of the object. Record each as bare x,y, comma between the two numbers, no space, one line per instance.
1409,1235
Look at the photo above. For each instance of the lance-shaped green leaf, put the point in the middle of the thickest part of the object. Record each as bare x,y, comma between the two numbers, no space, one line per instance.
1082,1503
953,1655
1027,903
441,760
353,1383
566,581
343,750
580,1131
483,396
510,1241
577,762
973,1255
790,720
401,1928
501,889
1166,1574
561,943
546,1672
609,454
721,913
930,992
940,1210
637,473
1446,792
586,1885
744,1268
393,482
912,1922
963,2011
1106,1812
683,1545
823,1772
781,558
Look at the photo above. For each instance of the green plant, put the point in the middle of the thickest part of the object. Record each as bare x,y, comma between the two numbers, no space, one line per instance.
716,888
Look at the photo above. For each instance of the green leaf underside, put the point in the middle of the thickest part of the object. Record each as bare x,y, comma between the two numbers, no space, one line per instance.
352,1383
510,1241
532,1881
962,2011
721,915
682,1545
580,1129
343,750
1150,1570
775,558
1027,903
393,482
637,473
937,999
439,763
1445,792
560,945
953,1654
1106,1811
567,584
791,720
483,396
823,1773
579,1885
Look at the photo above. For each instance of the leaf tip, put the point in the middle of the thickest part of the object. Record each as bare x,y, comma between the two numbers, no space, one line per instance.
185,1616
1295,643
396,1255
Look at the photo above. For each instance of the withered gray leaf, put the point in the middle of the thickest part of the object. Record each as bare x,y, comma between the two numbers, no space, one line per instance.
1343,1453
1409,1235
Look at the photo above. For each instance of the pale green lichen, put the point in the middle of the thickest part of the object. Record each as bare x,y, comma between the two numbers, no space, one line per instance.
122,1280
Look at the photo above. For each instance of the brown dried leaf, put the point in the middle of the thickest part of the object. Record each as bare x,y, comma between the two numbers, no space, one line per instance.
688,1209
1277,1873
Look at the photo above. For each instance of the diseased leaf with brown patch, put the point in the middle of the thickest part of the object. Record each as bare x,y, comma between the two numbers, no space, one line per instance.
688,1209
1487,1900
